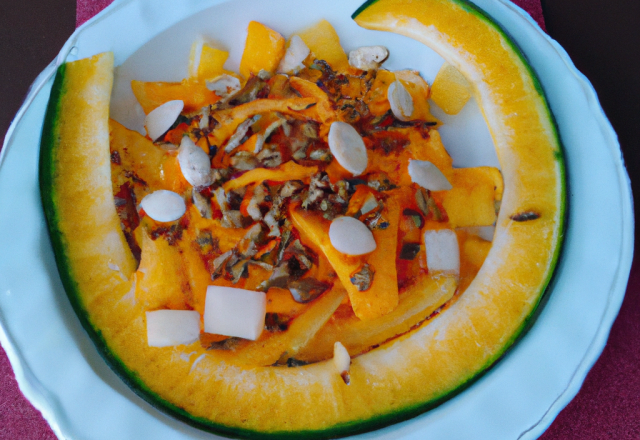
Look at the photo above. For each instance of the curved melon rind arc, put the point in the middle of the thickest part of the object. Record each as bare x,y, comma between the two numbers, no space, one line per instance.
70,83
513,243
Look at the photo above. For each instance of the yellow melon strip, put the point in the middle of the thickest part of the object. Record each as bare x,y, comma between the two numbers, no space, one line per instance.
89,225
262,51
324,43
430,149
194,94
324,111
287,171
382,296
230,119
471,201
415,305
211,62
450,89
138,154
160,280
281,346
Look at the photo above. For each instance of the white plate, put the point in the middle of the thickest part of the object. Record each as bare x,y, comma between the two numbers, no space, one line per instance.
62,374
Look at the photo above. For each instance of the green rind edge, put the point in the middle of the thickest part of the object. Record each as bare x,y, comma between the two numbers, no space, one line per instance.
49,144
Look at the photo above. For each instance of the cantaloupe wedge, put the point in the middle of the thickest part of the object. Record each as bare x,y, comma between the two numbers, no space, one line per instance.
263,50
450,90
206,62
324,43
195,94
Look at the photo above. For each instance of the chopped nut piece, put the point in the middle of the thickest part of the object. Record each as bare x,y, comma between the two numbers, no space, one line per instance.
224,85
307,289
342,361
368,57
202,204
363,278
270,157
236,139
204,118
258,197
244,161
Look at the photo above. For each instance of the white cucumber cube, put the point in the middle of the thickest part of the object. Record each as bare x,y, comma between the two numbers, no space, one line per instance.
234,312
443,254
172,327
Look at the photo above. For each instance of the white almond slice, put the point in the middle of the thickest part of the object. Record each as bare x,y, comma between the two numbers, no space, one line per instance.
234,312
400,101
348,148
368,57
428,176
296,53
223,85
236,138
369,205
161,118
351,237
443,254
342,361
194,163
166,328
164,205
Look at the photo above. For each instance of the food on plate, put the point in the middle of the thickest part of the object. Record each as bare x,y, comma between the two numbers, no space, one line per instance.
292,238
450,89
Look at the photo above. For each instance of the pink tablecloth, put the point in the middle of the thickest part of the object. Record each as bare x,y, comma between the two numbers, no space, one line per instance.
608,405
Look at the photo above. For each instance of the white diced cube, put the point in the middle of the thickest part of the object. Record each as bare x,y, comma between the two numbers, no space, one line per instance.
443,254
234,312
172,327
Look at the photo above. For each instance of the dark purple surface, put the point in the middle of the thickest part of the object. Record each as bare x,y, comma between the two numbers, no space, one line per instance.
602,41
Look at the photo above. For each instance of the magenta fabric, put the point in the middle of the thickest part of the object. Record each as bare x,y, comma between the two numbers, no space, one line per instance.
607,406
85,9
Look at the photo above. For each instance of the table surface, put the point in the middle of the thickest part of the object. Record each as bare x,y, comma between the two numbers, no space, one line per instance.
604,44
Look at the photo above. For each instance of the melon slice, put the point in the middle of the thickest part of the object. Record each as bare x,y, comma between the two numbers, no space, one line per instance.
151,95
450,90
414,306
380,296
263,50
324,43
96,265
